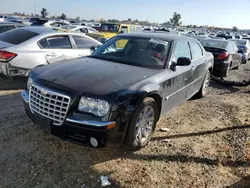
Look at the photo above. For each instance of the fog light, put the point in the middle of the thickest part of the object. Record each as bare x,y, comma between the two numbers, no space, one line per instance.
93,142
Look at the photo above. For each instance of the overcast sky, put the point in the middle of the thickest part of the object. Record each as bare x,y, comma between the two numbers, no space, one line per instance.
224,13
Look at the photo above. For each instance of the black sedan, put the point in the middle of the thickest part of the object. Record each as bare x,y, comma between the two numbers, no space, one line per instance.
226,55
123,87
6,26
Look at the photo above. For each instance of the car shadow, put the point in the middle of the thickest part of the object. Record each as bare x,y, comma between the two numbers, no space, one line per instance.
201,133
243,183
13,83
230,89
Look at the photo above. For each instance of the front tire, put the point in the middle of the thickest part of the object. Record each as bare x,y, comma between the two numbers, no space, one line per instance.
142,124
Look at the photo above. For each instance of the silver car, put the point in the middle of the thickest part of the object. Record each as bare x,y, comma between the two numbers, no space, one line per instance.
26,48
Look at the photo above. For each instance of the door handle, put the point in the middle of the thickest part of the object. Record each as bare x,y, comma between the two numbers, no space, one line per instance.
193,68
51,55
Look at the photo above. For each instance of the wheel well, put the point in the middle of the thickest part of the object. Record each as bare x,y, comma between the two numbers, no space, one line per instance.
158,101
210,70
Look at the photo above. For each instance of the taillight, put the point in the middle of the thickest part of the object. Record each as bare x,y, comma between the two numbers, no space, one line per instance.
224,55
6,56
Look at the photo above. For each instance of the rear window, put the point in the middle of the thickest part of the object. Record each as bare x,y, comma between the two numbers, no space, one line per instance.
214,44
17,36
6,28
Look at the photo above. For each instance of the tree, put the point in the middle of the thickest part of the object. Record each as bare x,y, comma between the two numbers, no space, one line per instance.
235,29
44,13
63,16
129,20
78,18
175,20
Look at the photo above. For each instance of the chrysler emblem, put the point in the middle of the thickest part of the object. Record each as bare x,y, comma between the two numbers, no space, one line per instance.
44,92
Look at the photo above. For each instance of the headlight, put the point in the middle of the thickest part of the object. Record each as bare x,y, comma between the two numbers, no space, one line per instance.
29,82
94,106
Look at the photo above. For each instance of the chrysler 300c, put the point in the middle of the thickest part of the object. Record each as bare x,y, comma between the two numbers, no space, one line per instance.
123,87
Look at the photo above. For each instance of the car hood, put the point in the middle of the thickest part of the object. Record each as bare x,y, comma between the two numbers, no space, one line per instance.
93,76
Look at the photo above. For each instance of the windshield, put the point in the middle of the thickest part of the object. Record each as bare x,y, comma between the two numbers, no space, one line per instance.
214,43
109,28
142,52
240,42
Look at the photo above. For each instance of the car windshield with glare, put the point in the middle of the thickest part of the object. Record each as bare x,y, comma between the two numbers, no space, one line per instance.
142,52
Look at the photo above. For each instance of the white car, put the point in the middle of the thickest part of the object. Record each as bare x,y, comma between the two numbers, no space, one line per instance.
3,18
26,48
244,45
49,23
80,29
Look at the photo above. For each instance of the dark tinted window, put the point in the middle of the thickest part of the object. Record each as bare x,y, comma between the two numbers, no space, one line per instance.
84,42
6,28
17,36
43,43
39,22
84,30
33,19
61,42
182,50
195,50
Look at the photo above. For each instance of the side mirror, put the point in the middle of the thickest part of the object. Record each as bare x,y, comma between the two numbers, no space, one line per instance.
183,61
240,51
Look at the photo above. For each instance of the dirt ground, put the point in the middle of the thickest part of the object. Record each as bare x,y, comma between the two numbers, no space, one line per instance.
208,145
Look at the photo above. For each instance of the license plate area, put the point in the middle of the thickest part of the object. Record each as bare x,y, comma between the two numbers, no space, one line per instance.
43,122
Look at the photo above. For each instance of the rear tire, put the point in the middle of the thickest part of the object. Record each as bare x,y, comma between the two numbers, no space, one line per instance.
204,86
142,124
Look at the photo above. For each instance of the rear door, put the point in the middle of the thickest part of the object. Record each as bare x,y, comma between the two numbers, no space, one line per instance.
84,45
57,48
198,67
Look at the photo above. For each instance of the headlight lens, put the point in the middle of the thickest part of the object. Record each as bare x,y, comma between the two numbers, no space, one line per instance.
29,82
94,106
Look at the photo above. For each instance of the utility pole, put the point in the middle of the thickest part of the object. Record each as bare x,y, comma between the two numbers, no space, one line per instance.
34,9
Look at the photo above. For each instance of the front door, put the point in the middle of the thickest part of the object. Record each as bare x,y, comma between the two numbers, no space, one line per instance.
56,48
176,87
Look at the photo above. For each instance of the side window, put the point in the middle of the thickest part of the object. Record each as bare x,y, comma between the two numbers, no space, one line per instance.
230,47
60,42
43,44
6,28
182,50
235,47
84,42
124,29
131,29
84,30
195,50
138,29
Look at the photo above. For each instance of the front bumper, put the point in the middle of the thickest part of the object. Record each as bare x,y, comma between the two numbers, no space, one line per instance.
8,70
74,128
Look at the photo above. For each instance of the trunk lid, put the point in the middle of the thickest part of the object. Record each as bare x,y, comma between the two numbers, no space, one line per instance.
215,51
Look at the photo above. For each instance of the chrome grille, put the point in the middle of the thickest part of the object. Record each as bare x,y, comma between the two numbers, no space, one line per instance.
49,104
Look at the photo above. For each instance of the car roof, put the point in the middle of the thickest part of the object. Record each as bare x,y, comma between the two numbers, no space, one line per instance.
10,23
219,40
162,36
39,29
